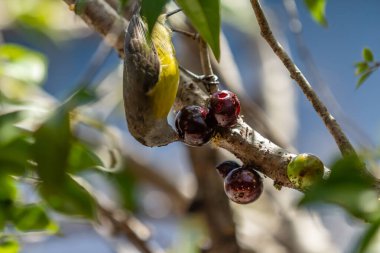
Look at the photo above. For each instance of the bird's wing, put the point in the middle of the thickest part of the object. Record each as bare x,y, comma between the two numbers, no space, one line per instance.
141,54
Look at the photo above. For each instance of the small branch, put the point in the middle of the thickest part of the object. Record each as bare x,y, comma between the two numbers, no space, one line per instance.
341,140
103,18
120,222
206,65
205,58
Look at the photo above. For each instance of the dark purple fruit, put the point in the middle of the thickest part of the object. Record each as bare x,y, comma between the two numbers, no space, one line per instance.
225,107
191,125
243,185
225,167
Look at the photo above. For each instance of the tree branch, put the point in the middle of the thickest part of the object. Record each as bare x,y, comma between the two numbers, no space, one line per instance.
242,140
332,125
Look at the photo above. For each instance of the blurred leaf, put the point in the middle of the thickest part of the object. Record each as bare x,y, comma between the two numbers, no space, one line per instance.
205,17
317,10
349,187
52,146
81,157
8,190
3,219
69,198
362,79
367,55
368,236
14,156
22,64
80,97
8,131
9,245
125,184
31,217
151,9
80,5
361,67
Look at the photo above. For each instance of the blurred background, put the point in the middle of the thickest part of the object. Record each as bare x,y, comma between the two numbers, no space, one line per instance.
165,192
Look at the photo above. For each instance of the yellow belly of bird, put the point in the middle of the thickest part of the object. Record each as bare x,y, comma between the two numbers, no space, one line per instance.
162,96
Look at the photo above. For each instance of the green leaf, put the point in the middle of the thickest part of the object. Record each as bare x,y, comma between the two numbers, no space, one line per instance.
368,236
52,146
31,217
8,131
9,245
125,184
151,9
362,79
205,17
367,55
8,190
69,198
82,157
317,10
14,156
349,187
80,6
22,64
361,67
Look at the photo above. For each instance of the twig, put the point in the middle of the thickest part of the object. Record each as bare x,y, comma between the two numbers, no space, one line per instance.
120,223
341,140
206,65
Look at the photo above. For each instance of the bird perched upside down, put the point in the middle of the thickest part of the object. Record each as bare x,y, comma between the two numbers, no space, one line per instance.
150,81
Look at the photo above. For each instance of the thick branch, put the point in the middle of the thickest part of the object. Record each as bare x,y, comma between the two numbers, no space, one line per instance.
340,138
242,141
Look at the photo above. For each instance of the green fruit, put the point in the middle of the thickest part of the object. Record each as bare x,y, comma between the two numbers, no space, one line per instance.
304,170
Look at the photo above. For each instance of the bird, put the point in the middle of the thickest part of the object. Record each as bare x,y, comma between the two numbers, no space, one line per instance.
150,80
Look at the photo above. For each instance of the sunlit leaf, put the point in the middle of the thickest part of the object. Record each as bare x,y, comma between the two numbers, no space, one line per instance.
9,245
8,130
22,64
367,55
317,10
362,79
349,187
205,17
151,9
31,217
70,198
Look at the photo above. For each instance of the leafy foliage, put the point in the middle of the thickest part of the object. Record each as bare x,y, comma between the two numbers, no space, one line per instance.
151,9
350,187
205,17
366,67
317,10
22,64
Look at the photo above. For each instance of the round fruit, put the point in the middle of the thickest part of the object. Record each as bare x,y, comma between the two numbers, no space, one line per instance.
192,127
225,107
304,170
225,167
243,185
